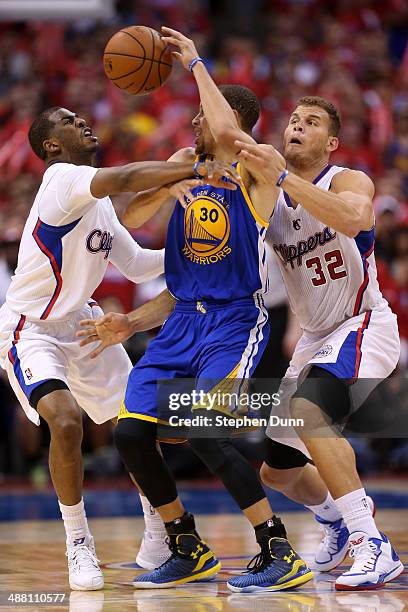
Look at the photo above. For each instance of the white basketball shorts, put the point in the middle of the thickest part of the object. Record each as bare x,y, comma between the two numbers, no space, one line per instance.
34,352
366,346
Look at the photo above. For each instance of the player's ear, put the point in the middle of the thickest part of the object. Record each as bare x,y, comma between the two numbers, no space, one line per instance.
237,117
51,146
332,144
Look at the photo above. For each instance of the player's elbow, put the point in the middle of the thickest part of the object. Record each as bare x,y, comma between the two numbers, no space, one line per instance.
129,219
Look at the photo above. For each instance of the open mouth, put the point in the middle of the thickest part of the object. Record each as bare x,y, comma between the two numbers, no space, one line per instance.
87,133
295,140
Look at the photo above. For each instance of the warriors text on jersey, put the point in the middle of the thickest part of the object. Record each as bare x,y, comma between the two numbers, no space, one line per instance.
68,240
215,248
329,277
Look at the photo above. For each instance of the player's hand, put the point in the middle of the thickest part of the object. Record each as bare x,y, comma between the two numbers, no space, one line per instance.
219,174
263,160
186,48
112,328
182,190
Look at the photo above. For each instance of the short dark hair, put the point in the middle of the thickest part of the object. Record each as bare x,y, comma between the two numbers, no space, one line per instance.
331,110
245,102
40,130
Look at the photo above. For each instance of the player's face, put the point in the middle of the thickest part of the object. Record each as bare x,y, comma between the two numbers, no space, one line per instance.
204,141
72,133
307,137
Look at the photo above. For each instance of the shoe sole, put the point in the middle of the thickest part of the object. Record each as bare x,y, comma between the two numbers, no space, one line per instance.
329,568
369,587
294,582
168,585
77,587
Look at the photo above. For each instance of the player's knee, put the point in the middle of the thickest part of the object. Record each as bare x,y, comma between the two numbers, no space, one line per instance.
67,429
134,439
275,478
211,452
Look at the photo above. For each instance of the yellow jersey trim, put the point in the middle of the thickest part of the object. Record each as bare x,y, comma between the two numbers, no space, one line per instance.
251,207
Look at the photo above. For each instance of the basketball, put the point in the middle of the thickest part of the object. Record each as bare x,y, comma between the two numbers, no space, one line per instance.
137,60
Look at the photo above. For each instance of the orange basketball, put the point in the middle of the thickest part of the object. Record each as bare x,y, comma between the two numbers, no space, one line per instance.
137,60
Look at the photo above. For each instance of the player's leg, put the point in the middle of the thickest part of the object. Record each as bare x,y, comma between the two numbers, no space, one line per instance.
324,395
168,356
277,566
99,387
190,559
36,368
64,418
288,470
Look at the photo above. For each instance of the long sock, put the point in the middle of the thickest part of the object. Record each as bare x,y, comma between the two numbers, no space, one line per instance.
75,522
327,510
356,513
153,520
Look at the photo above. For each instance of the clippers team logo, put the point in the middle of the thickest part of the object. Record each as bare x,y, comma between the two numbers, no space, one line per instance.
206,231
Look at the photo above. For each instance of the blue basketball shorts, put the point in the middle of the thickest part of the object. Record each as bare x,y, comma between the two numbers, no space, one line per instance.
201,341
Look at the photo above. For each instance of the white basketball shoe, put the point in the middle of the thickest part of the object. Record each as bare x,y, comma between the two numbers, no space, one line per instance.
84,571
375,563
154,550
333,548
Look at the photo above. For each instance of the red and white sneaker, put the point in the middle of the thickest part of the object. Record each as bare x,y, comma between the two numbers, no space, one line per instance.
375,563
333,548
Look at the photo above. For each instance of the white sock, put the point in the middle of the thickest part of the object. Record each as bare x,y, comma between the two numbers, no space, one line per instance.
357,514
327,510
75,523
153,520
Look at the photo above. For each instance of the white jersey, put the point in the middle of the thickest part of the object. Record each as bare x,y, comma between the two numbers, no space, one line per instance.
68,240
329,277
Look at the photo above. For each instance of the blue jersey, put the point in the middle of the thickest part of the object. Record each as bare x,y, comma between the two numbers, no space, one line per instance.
215,248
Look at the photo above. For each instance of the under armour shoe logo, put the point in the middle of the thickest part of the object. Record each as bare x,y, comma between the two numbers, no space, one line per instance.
288,558
197,551
79,541
357,542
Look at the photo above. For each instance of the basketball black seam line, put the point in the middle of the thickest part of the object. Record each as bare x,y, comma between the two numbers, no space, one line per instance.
137,57
150,69
127,74
136,39
160,62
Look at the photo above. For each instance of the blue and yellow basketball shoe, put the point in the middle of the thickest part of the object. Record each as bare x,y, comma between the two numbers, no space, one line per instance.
191,559
275,568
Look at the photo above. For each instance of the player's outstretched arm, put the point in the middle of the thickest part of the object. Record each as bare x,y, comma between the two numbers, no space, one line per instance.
114,328
144,205
223,123
347,207
221,118
140,176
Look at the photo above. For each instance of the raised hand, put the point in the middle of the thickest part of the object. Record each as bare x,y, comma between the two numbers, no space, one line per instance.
186,48
112,328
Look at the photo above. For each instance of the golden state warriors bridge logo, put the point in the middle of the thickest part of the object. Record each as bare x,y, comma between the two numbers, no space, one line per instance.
206,231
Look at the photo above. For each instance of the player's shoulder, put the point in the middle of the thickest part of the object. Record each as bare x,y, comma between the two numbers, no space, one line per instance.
348,180
187,154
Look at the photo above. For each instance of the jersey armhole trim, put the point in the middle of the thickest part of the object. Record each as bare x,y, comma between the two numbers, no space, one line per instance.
251,207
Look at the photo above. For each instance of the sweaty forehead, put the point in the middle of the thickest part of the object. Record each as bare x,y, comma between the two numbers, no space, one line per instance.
59,114
306,111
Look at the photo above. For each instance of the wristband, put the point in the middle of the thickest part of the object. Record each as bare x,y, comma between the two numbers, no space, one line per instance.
282,177
194,62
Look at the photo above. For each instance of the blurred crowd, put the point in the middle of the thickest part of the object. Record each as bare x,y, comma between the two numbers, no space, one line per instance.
353,52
